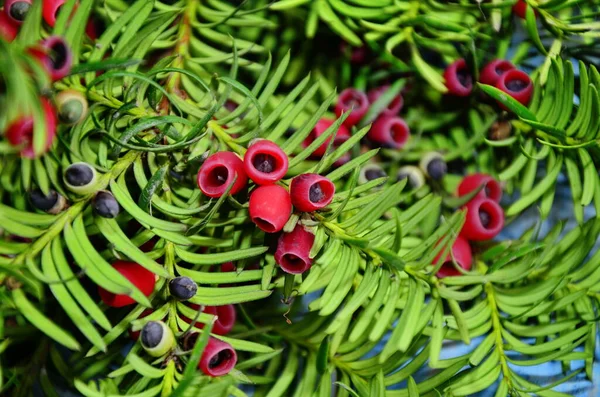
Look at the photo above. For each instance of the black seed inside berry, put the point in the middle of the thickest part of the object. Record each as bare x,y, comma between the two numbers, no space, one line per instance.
315,193
220,358
464,78
264,163
516,85
19,10
106,205
182,288
58,54
437,168
152,334
487,190
485,218
79,175
42,201
374,173
219,175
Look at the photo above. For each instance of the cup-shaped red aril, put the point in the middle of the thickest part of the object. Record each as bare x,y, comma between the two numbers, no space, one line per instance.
16,10
393,108
270,207
389,132
293,250
50,10
20,132
484,220
461,252
219,171
458,79
55,56
492,71
311,192
8,30
218,358
139,276
517,84
340,136
491,189
225,318
265,163
353,101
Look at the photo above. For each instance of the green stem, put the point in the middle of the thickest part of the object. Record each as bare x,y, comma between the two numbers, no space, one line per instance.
497,328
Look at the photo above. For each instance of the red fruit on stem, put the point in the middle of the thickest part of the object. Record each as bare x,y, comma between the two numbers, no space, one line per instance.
16,10
226,317
490,74
55,56
50,10
142,278
135,335
458,79
293,250
517,84
393,108
461,251
218,358
341,136
8,30
520,9
492,188
218,172
265,163
92,30
270,207
20,131
353,101
484,220
311,192
389,132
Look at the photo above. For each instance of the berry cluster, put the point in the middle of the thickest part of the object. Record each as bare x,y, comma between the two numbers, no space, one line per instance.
498,73
484,220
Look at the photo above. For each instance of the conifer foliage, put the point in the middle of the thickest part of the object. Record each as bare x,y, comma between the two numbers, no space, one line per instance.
188,206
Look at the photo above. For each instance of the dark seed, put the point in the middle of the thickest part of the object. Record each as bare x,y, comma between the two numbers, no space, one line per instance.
183,288
437,168
516,85
487,190
315,193
79,175
151,334
19,10
220,175
58,54
264,163
464,78
485,218
40,201
220,358
374,173
106,205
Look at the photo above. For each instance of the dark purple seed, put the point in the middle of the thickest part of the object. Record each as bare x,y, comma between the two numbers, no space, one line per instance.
151,334
464,78
315,194
485,218
219,359
264,163
516,85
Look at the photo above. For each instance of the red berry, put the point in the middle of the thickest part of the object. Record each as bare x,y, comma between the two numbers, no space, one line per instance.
218,172
311,192
389,132
517,84
492,188
393,108
458,79
218,358
16,10
55,56
353,101
461,251
228,267
8,30
225,318
270,207
265,163
50,10
484,220
20,132
136,334
139,276
293,250
520,9
493,70
341,136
